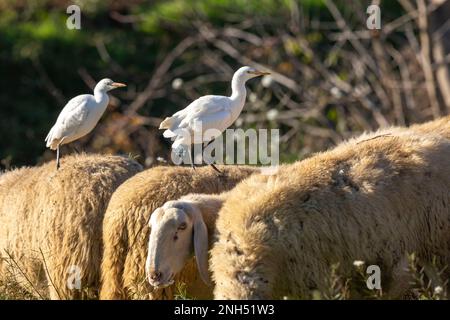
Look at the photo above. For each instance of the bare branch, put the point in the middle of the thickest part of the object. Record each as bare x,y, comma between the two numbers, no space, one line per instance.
426,49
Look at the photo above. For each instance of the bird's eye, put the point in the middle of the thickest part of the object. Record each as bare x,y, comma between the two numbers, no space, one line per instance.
175,238
182,226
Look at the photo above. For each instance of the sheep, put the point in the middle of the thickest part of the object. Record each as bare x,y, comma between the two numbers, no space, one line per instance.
51,223
374,200
439,126
125,229
178,222
176,227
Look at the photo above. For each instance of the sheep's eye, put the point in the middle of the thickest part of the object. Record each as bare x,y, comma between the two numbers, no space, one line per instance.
182,226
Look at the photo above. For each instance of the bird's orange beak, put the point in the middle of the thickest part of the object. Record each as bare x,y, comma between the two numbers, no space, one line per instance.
259,73
118,84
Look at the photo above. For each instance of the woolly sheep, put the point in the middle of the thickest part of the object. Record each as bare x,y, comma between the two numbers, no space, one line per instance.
126,233
179,225
439,126
52,220
373,200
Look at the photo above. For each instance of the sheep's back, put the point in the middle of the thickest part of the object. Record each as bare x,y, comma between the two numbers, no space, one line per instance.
52,219
125,229
372,200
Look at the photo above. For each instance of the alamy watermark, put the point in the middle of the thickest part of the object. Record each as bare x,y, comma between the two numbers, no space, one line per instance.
74,278
373,281
252,147
74,20
373,22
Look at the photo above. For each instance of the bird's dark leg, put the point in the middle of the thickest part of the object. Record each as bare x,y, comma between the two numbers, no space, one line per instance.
221,174
58,153
192,156
57,157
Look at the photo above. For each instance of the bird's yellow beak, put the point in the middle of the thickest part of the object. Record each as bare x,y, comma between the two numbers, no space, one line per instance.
118,84
259,73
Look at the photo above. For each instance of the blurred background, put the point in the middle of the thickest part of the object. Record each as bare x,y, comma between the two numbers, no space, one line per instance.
332,77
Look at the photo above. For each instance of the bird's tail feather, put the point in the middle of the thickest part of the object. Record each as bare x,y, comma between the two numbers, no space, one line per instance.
53,145
51,142
169,134
178,142
47,138
166,123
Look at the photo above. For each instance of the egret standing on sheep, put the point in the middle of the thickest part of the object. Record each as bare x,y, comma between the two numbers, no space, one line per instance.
79,116
208,112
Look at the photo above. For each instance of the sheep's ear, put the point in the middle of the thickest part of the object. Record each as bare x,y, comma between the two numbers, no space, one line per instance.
201,246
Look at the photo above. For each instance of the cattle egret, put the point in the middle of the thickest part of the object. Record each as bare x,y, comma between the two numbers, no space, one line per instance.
79,116
208,112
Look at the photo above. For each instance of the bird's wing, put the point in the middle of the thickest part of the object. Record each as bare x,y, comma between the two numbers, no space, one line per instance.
73,105
199,128
190,117
208,105
71,118
218,121
172,123
209,111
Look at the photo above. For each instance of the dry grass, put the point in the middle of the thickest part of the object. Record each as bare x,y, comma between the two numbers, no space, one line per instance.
427,283
10,289
16,283
340,287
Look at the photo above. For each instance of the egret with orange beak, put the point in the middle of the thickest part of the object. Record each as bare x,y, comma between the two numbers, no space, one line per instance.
208,112
80,116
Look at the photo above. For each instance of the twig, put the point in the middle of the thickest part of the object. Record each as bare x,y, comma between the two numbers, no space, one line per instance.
106,57
87,78
24,275
405,75
364,54
48,273
48,83
125,18
426,49
211,36
388,75
376,137
162,69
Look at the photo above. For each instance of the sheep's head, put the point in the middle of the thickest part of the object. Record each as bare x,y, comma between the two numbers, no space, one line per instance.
177,230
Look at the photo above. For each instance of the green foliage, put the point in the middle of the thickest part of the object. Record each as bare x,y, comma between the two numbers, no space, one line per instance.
43,64
181,292
35,45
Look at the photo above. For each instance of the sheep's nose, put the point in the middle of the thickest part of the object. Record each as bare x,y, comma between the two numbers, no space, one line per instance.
155,275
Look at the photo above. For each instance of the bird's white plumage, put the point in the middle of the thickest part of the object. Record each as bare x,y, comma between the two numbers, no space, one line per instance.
80,115
202,114
71,122
189,125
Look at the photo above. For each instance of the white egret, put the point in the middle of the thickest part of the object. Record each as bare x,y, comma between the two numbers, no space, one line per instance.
209,112
79,116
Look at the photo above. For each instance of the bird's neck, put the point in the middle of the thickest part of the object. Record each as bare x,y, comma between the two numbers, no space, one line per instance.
100,96
238,90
